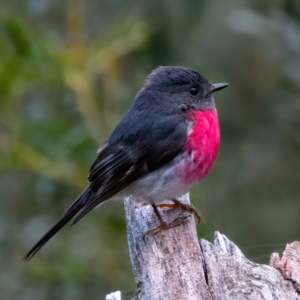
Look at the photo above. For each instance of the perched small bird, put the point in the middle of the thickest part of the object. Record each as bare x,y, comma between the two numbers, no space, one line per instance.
165,144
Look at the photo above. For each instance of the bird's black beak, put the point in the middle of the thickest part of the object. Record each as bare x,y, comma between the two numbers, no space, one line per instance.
218,86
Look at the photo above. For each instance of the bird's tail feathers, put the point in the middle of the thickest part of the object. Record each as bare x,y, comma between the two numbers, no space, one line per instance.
72,211
80,201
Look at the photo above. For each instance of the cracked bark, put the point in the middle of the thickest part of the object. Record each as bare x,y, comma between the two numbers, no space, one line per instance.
174,265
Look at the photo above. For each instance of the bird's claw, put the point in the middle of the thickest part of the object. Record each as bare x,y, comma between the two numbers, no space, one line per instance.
179,205
163,226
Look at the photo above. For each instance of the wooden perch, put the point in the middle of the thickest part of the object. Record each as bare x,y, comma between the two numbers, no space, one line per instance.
174,265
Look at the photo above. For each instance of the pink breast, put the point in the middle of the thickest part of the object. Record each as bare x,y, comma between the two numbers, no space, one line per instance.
203,144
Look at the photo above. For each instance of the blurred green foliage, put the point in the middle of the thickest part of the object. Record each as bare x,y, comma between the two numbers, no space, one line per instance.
69,71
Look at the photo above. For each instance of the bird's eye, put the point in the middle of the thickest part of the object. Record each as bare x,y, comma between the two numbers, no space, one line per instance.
194,91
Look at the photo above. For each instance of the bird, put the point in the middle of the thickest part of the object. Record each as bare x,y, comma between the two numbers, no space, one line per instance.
166,143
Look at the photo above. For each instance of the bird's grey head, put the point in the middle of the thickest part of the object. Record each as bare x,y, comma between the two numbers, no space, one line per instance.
179,88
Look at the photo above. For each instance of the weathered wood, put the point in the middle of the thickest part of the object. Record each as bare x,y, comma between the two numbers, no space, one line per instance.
231,275
167,265
174,265
289,264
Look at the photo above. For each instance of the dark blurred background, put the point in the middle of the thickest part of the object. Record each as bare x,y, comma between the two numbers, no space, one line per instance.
69,71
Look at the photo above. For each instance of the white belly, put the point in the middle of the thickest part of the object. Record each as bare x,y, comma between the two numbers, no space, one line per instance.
165,183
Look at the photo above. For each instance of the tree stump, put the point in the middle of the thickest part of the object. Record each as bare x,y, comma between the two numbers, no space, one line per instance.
175,265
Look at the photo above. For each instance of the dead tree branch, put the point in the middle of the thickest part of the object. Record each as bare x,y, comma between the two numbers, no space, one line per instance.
174,265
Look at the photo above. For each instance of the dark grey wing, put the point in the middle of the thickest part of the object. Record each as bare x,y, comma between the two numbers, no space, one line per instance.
132,153
162,136
138,145
117,166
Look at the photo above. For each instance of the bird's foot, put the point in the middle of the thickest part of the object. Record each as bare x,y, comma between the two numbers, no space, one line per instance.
179,205
163,226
